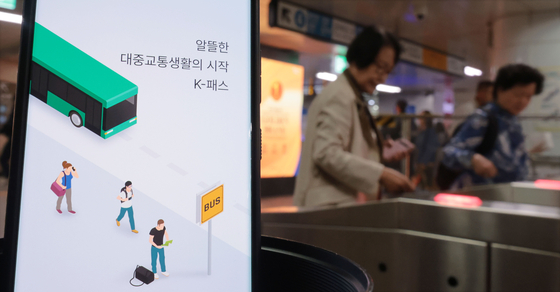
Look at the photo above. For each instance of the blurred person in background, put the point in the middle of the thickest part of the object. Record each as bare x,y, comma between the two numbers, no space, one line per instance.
391,129
484,93
482,97
504,158
427,144
391,126
343,149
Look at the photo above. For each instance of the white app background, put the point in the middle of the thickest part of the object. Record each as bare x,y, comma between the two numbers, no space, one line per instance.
186,140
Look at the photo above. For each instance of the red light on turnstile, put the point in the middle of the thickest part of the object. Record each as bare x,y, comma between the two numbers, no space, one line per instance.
458,200
547,184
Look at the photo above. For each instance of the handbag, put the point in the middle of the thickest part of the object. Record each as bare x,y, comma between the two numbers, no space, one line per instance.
57,190
144,275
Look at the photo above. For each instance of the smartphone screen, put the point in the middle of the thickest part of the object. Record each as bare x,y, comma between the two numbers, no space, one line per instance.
135,150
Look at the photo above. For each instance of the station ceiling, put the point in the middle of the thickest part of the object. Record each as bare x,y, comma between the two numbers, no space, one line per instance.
459,27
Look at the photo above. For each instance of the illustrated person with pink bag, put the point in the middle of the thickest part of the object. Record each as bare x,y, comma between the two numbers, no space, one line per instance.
64,180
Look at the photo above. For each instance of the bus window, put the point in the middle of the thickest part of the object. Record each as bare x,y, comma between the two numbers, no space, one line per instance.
35,77
119,113
58,86
93,115
76,98
39,81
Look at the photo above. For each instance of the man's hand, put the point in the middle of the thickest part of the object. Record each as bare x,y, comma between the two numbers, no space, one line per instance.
159,246
395,182
483,167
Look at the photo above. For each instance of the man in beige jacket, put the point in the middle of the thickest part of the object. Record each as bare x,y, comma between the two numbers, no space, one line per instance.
342,151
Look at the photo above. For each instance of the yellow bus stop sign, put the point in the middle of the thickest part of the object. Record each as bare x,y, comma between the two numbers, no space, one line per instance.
212,204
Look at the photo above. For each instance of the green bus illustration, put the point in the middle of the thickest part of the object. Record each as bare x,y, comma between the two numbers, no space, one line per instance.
80,87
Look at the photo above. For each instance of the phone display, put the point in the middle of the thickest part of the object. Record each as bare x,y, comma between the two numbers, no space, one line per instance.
136,161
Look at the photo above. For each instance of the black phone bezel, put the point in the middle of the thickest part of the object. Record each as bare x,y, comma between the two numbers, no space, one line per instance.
7,278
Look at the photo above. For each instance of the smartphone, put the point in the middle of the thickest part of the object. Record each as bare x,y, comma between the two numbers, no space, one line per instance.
163,94
406,144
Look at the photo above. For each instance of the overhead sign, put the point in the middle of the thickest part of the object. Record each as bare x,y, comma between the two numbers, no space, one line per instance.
315,24
212,204
292,17
420,55
8,4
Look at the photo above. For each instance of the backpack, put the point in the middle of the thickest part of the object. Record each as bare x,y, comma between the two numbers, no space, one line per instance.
445,175
126,194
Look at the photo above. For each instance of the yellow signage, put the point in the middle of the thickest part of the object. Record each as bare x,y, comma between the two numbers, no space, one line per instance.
212,204
281,107
434,59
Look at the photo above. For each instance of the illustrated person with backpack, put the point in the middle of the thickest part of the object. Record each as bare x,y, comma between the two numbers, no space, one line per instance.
64,180
125,197
489,146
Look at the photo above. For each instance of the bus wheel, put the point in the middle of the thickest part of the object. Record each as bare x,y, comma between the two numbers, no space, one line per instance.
76,119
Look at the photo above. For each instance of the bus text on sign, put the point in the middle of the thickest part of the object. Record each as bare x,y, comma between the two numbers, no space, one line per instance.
212,204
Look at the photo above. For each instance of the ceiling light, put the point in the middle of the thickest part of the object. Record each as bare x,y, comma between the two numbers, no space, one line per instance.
470,71
10,17
326,76
388,88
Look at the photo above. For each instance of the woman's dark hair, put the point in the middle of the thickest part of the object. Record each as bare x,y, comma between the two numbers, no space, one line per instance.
428,119
517,74
126,184
366,46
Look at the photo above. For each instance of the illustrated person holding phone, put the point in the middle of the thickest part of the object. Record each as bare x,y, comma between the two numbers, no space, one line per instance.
64,180
156,240
125,197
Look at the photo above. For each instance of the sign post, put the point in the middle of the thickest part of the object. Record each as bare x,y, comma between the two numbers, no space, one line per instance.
211,203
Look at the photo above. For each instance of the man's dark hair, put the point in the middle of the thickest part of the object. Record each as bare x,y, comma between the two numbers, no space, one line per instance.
483,85
366,46
402,104
517,74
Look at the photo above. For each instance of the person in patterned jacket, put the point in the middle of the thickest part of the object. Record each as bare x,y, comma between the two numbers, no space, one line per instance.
514,87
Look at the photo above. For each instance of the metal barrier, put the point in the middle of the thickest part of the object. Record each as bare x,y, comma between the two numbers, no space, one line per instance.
421,245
